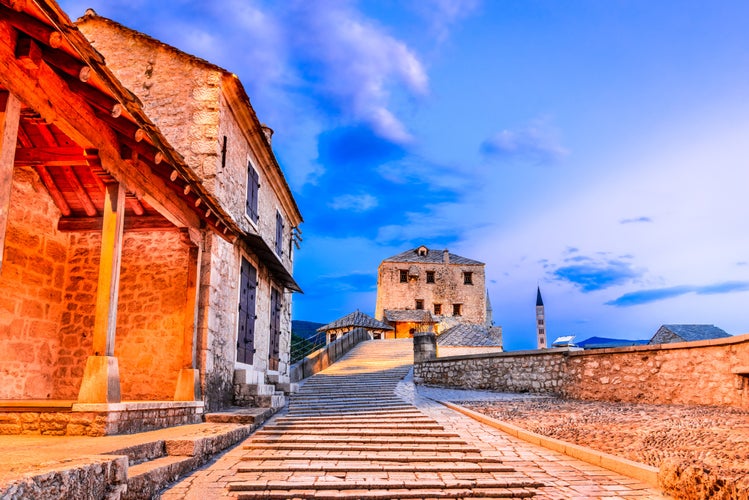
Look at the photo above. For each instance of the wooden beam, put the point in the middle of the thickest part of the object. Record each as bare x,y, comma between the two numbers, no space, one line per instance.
34,28
124,126
10,113
47,94
53,190
66,63
105,321
56,156
93,96
190,333
28,52
132,224
80,191
135,205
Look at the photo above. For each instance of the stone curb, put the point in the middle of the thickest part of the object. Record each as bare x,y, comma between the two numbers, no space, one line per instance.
645,473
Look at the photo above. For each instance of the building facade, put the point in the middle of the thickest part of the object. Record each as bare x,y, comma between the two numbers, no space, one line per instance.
146,238
424,281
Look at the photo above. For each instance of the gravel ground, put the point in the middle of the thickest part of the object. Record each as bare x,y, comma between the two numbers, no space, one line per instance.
712,439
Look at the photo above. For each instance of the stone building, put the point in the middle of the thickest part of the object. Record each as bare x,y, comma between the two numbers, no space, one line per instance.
128,232
423,287
357,319
668,334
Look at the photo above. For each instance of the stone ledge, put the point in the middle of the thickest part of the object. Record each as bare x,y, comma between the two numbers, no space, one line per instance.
645,473
136,406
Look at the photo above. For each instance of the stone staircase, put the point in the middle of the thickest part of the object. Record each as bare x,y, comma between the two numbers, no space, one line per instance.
346,435
269,393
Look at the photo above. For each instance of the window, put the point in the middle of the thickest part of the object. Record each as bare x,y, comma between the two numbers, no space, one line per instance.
279,233
468,278
376,336
253,185
540,331
438,309
419,303
333,336
540,322
430,276
457,309
404,276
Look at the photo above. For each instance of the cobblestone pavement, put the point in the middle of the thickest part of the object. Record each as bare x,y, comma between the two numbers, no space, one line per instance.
354,431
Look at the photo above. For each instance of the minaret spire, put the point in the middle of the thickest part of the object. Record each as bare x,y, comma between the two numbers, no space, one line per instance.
540,320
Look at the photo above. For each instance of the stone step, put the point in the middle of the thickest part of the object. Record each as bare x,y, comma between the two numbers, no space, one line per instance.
374,457
302,425
254,389
361,433
373,488
356,467
287,387
415,417
142,452
239,415
387,494
379,438
276,400
422,447
371,413
146,479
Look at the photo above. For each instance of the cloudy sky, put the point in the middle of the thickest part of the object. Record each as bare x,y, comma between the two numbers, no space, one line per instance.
599,149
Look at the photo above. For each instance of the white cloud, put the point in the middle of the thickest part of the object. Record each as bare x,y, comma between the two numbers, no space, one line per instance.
355,203
538,143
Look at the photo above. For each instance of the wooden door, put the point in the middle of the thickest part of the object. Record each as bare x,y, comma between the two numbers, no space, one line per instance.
275,329
246,334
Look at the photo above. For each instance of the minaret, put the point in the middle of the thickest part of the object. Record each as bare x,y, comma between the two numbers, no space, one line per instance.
540,320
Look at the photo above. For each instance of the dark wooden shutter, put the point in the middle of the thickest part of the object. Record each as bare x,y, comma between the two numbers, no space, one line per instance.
279,233
275,329
246,334
253,185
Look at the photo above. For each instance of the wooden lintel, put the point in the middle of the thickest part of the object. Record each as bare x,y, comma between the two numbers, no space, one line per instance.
34,28
132,223
80,191
55,156
53,190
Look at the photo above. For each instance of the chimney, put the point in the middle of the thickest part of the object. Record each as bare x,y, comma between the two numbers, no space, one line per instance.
445,257
268,132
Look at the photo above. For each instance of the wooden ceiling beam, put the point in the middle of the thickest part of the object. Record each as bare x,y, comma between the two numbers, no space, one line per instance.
93,96
36,29
124,126
47,94
55,156
80,191
90,224
66,63
53,190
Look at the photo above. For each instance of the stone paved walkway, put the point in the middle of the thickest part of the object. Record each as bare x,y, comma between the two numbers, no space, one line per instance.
356,430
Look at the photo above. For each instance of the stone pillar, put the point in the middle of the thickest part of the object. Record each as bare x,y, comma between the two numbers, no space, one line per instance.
101,379
188,381
425,346
10,108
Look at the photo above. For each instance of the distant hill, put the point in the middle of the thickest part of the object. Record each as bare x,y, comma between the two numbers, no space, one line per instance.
304,329
604,343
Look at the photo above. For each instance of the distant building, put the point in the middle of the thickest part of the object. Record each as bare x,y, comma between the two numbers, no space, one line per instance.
540,320
422,287
341,326
669,334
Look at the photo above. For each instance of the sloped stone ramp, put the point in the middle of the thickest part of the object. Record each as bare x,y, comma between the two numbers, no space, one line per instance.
347,435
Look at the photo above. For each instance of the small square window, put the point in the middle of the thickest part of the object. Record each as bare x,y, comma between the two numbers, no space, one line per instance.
419,303
403,276
468,278
430,276
438,309
457,309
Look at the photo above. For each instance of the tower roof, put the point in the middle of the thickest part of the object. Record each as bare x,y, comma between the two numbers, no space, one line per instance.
424,255
539,300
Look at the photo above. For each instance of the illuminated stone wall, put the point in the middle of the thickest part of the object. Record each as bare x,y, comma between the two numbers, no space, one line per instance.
711,372
32,282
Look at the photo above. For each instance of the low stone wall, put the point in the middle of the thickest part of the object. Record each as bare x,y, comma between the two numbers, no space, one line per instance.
325,356
713,372
103,419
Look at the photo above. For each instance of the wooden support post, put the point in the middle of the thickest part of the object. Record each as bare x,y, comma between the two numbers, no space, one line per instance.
10,108
101,378
109,270
188,383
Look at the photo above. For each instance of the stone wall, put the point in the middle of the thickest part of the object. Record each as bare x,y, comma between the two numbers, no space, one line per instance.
714,372
32,282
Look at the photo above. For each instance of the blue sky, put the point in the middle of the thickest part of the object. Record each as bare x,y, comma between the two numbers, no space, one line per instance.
599,149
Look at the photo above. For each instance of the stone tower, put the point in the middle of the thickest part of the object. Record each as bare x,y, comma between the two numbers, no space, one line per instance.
540,320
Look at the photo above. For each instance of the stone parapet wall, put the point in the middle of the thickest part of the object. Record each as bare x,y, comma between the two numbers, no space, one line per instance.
325,356
102,419
714,372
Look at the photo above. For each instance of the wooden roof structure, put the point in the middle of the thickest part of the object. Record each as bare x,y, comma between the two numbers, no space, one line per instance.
81,129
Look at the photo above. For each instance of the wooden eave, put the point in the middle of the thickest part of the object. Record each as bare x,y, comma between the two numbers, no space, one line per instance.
92,123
